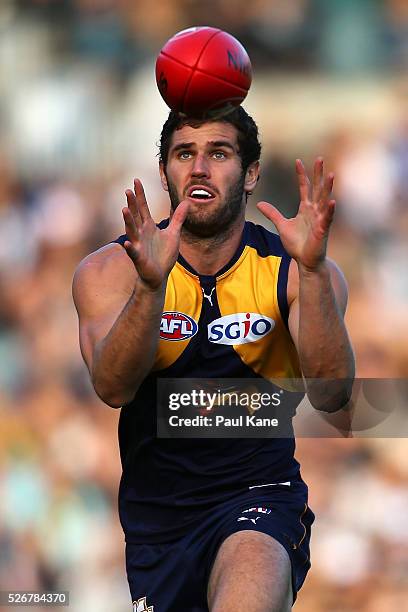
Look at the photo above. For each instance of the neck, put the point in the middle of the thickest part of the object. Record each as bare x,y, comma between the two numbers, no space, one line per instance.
208,255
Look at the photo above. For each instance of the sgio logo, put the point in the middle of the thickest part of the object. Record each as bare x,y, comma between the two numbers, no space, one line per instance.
176,326
239,328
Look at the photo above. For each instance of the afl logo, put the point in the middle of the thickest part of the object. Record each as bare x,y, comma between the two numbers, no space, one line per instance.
176,326
240,328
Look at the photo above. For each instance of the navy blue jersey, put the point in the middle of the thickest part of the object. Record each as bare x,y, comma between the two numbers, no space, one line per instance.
167,483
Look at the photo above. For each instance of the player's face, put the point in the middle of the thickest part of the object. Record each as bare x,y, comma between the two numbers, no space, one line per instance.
204,167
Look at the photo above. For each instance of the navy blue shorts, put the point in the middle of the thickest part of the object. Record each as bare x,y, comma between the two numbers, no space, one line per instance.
174,576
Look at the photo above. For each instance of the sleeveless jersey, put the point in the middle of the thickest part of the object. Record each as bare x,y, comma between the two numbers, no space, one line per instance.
167,483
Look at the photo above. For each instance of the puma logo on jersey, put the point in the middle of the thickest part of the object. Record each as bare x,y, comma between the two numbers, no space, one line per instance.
244,518
240,328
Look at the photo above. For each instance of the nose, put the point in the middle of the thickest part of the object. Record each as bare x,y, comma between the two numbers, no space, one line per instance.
200,167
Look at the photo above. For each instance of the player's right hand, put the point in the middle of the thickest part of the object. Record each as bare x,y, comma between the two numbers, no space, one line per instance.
153,251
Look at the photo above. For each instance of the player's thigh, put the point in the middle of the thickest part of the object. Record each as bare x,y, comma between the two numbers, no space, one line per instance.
251,571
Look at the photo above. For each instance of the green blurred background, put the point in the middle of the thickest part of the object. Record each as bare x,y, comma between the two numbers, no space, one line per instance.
80,116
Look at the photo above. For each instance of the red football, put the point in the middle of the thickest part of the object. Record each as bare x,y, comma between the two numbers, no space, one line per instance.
203,71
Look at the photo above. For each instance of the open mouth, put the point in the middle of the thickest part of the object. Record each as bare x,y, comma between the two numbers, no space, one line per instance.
200,194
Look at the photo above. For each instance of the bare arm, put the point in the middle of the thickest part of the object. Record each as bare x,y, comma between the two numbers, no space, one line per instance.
317,294
119,322
317,327
119,296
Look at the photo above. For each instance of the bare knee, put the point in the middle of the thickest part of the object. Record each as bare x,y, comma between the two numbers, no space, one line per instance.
251,571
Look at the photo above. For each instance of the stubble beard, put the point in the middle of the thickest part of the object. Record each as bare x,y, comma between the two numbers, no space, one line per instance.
218,223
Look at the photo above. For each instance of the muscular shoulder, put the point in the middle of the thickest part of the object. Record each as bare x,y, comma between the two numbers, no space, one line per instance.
104,274
109,256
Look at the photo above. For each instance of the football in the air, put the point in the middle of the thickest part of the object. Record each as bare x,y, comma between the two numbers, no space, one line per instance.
203,71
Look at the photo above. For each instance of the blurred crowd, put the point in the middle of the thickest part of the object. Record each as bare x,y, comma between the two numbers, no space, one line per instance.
80,116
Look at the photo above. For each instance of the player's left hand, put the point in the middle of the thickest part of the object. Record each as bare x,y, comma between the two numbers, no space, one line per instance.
305,236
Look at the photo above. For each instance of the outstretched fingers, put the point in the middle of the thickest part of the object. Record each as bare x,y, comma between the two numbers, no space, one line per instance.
179,216
132,232
317,179
322,186
328,214
131,250
131,225
303,180
271,213
328,187
141,201
132,206
137,204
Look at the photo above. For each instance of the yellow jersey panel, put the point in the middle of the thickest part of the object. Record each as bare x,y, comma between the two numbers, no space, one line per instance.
232,324
253,289
181,312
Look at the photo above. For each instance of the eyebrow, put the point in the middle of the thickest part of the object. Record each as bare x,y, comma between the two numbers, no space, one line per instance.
212,143
182,145
221,143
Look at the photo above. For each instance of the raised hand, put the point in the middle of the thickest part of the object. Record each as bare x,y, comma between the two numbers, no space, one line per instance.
153,251
305,236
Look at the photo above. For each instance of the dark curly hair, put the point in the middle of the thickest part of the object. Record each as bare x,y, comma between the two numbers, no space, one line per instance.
248,141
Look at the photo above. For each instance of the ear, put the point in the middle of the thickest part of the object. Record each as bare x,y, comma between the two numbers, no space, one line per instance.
163,176
251,177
